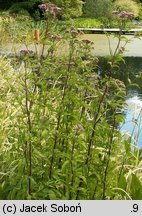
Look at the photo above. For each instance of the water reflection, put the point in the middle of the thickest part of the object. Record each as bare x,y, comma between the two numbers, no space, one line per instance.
133,111
133,120
101,45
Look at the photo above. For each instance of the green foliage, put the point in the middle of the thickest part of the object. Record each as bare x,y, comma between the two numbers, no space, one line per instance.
127,5
140,11
98,23
49,124
98,9
87,23
59,122
72,8
30,8
12,31
15,8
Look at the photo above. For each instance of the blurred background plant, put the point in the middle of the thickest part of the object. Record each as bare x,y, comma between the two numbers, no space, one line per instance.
98,9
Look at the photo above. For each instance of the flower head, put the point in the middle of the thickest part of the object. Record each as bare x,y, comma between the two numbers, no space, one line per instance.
54,37
51,9
120,83
79,128
72,64
123,14
26,52
87,42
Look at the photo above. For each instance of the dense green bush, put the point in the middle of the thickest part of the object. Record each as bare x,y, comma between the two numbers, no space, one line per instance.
5,4
27,8
97,8
71,8
16,7
140,11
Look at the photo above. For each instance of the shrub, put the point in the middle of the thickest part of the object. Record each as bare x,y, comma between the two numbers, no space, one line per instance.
71,8
17,7
97,8
28,8
127,5
140,11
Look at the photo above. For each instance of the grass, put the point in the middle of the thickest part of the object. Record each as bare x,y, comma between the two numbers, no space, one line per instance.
88,23
97,23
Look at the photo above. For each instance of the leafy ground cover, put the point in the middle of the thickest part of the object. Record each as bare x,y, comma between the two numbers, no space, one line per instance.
102,23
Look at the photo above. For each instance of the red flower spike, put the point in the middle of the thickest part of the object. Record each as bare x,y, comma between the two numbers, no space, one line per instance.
37,35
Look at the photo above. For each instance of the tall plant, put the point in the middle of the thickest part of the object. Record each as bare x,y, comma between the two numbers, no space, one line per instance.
59,124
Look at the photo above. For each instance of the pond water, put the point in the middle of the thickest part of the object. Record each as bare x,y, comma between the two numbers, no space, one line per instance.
133,109
101,44
133,119
132,67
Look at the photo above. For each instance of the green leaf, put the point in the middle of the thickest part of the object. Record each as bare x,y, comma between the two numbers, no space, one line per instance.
122,182
52,195
65,165
136,188
38,154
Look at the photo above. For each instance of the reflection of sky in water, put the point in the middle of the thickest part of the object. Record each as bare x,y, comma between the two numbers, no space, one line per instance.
133,119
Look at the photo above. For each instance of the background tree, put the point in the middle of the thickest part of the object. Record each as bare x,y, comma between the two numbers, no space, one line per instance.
97,8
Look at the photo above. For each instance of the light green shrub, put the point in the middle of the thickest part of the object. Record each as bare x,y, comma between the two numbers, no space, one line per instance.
127,5
88,23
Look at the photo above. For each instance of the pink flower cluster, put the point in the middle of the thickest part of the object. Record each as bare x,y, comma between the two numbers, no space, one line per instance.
120,83
52,9
123,14
54,37
87,42
25,52
79,127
